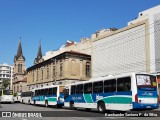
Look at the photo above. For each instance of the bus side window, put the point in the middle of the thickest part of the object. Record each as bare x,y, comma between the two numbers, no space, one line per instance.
110,85
98,87
35,93
42,91
46,91
127,84
79,89
50,91
73,89
124,84
88,88
38,92
55,91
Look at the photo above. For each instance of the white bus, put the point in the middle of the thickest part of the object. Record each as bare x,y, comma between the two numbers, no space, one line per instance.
49,95
17,97
6,96
122,92
26,97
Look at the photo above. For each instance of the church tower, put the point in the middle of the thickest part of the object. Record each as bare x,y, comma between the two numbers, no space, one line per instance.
19,79
39,56
19,61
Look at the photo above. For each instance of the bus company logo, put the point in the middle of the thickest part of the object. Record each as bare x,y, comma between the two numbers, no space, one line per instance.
77,98
147,94
99,97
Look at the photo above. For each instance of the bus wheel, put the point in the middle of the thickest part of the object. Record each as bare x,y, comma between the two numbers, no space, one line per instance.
72,106
46,103
101,107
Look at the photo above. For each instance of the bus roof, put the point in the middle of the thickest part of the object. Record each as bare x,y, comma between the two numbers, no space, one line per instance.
47,87
107,78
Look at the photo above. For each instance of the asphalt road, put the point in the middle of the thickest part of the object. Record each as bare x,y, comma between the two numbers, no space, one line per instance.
28,112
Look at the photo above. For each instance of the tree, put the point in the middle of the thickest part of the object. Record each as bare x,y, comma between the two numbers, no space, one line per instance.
5,83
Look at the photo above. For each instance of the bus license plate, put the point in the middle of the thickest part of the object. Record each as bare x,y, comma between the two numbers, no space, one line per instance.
148,106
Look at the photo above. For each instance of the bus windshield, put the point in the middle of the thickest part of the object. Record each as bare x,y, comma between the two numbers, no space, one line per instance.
146,82
7,92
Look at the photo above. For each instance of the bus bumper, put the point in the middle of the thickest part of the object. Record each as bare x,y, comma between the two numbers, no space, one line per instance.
6,101
60,103
145,106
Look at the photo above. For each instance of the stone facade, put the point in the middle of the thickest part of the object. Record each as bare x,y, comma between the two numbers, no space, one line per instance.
19,79
63,69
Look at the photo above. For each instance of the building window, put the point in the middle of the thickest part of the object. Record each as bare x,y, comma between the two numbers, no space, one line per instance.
33,77
54,71
88,69
19,68
73,67
61,68
37,76
47,72
17,88
42,74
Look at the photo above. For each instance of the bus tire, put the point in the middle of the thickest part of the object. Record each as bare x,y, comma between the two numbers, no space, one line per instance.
72,105
101,107
46,103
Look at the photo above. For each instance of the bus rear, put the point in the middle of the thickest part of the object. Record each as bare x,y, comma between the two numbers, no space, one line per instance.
146,95
16,97
49,95
60,97
7,96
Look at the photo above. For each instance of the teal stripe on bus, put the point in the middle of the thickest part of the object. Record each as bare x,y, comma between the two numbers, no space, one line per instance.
119,100
88,98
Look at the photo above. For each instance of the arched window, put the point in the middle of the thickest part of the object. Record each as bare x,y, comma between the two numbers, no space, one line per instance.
19,68
37,75
17,88
33,76
73,67
61,68
47,72
88,69
42,74
54,71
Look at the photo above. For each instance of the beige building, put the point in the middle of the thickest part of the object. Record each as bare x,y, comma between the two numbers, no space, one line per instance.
64,68
19,79
84,46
